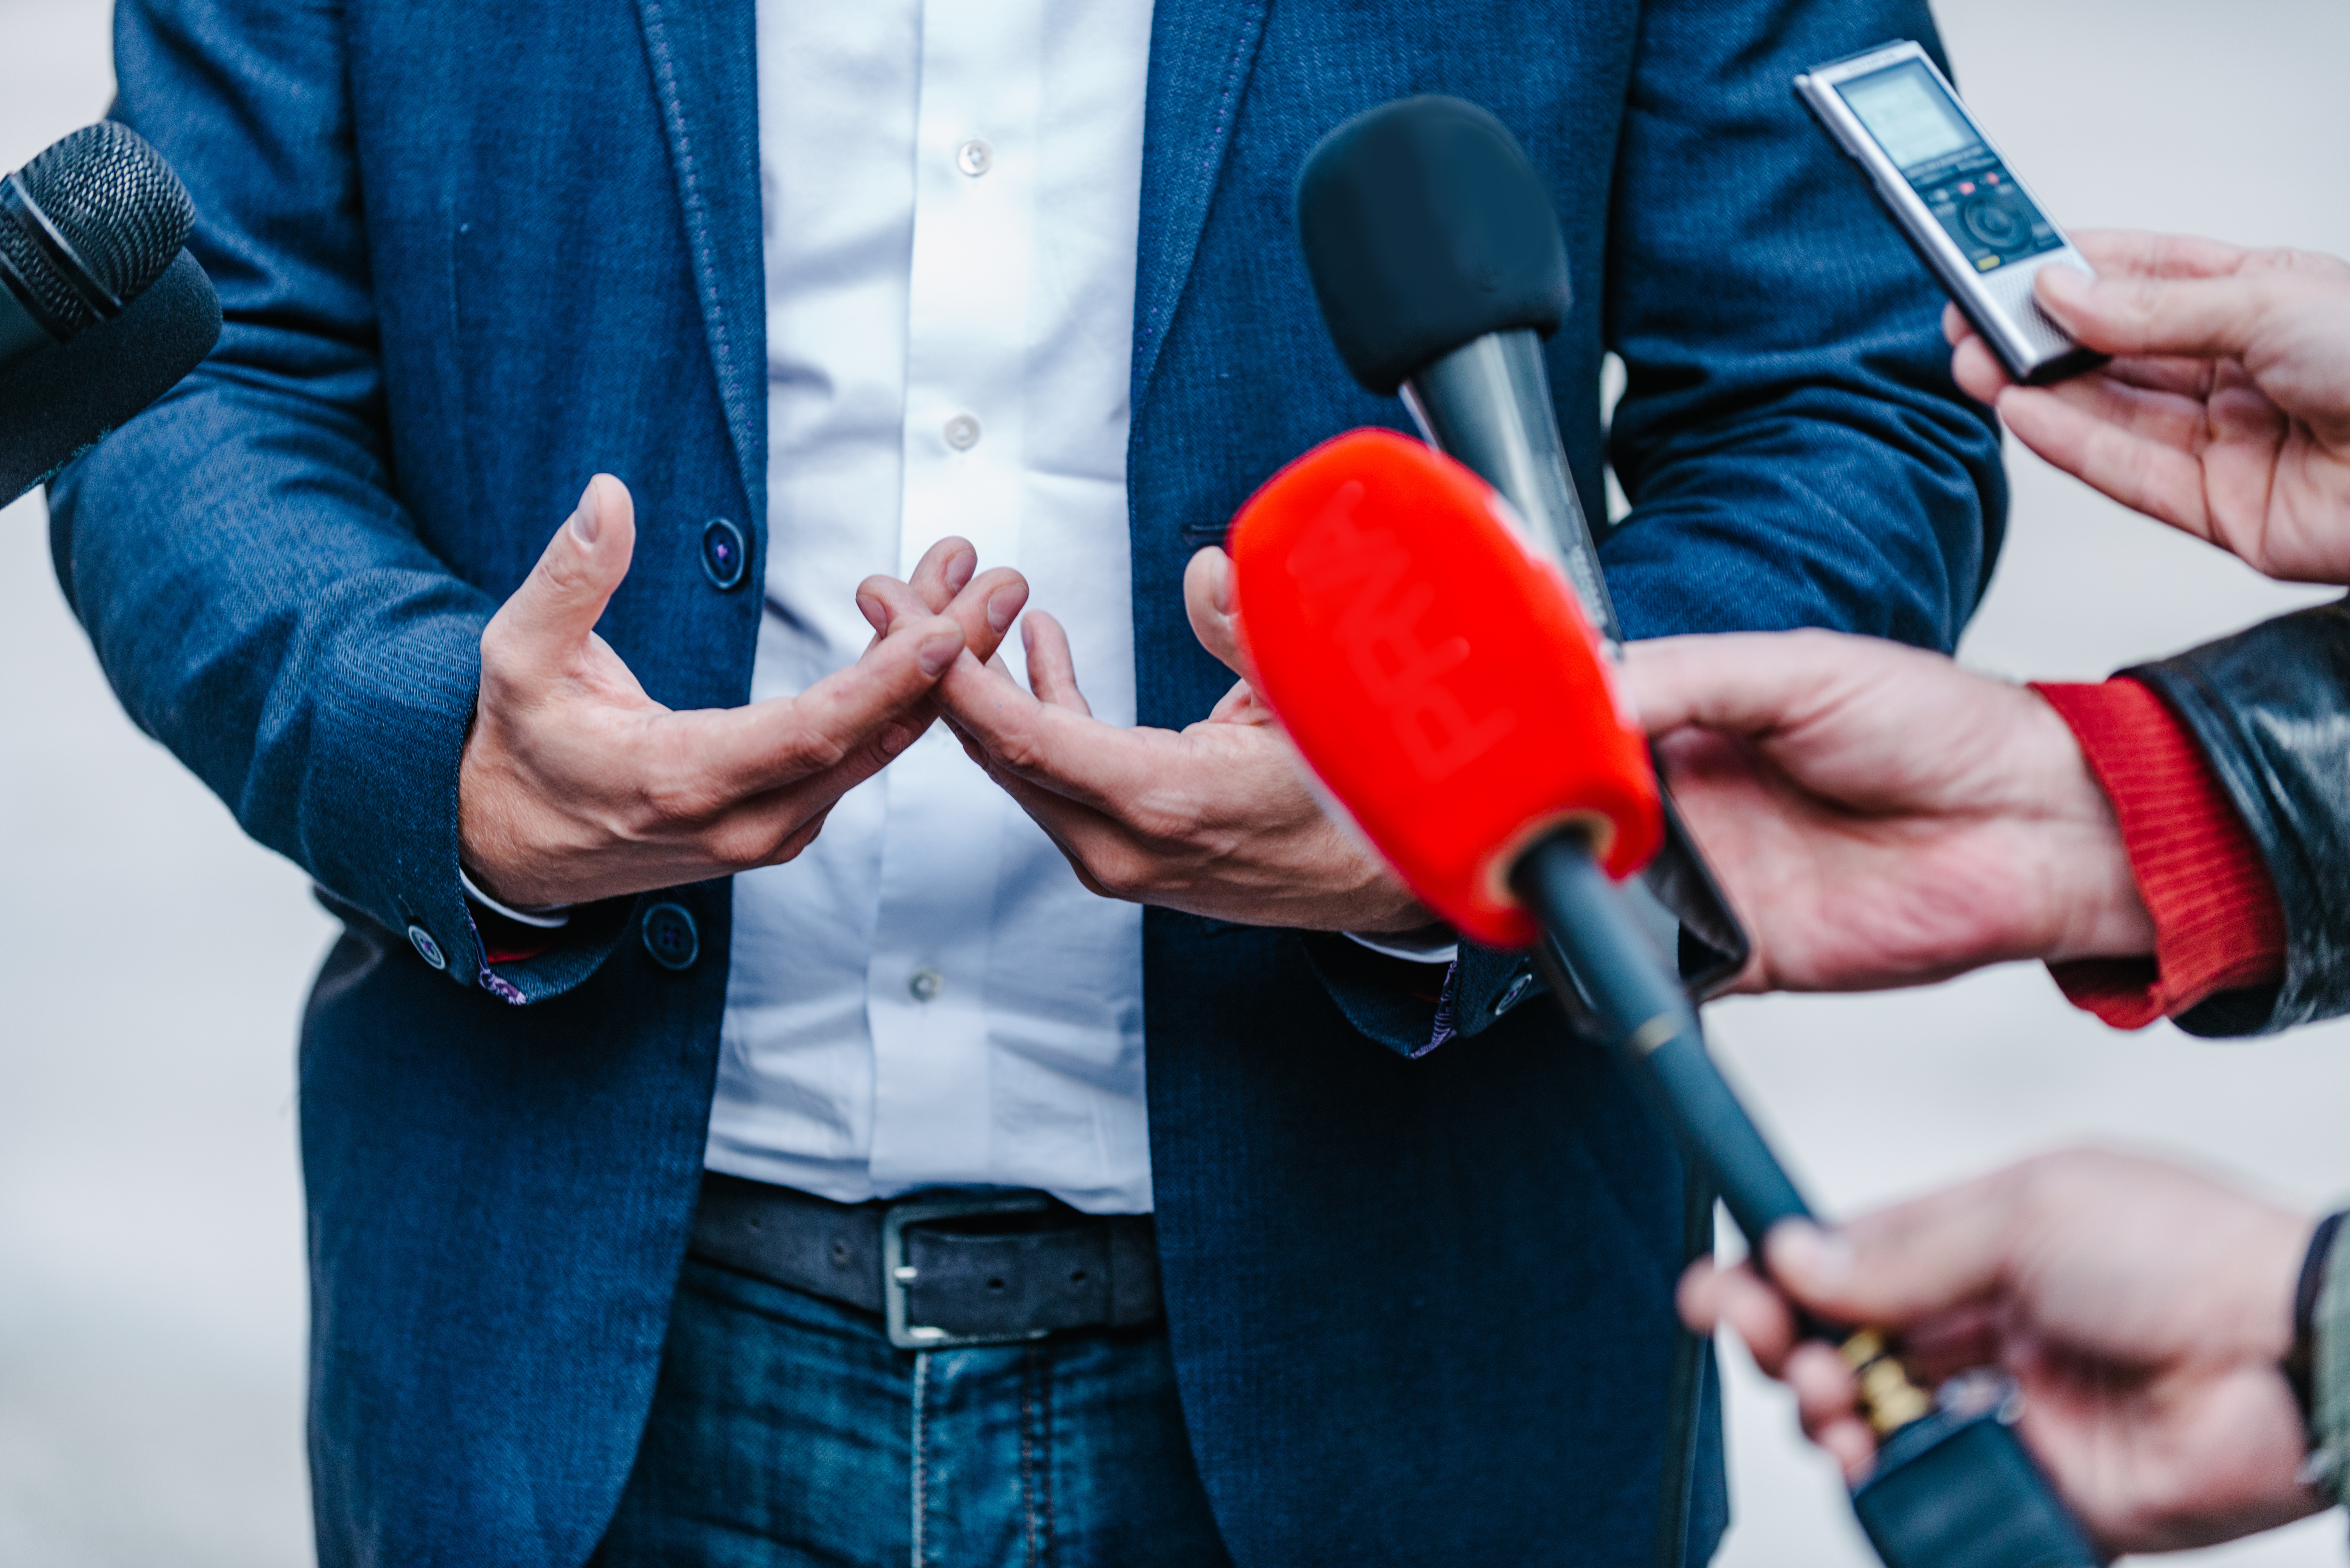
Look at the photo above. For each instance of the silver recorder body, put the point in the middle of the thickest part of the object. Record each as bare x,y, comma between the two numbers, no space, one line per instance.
1975,223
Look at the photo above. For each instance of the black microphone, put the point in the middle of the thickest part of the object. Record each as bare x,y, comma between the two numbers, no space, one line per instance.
102,310
1438,260
1436,257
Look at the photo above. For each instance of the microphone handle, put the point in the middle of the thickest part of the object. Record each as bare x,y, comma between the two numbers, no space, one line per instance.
1953,1487
1487,406
1595,950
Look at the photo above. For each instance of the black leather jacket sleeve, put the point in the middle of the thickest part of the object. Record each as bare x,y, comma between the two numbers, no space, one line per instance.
2271,709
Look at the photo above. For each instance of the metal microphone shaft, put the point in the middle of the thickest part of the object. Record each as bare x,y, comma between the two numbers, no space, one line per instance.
1487,405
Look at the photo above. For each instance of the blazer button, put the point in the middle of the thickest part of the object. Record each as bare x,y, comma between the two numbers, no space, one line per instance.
724,556
671,937
426,948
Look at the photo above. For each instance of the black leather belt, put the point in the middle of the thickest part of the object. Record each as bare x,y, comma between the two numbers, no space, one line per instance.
943,1269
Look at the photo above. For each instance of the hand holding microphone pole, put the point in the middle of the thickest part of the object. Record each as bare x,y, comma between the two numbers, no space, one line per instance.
1435,672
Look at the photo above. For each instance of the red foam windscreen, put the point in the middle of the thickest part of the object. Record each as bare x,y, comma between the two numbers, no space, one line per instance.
1436,674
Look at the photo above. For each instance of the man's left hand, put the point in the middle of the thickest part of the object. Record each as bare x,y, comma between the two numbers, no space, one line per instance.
1215,819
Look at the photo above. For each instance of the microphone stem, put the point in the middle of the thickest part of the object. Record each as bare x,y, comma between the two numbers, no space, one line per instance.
1594,947
1597,950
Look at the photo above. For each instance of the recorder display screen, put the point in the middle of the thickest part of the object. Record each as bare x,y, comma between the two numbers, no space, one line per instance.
1910,115
1954,172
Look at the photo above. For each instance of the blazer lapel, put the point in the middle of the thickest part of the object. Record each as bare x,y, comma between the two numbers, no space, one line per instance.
705,62
1200,52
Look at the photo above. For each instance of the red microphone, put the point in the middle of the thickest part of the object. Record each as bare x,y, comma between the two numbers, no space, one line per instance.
1440,681
1437,674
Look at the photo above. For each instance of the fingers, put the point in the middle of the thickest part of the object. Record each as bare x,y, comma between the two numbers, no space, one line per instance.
1977,370
1056,747
2135,445
2205,318
748,751
1826,1400
1903,1264
1711,1298
944,570
1750,683
2136,253
1051,668
549,619
1208,598
985,606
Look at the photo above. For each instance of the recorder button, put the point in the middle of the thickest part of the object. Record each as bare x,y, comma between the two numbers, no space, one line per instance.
1994,220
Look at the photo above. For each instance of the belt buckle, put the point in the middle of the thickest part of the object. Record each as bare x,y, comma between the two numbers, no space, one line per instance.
897,1273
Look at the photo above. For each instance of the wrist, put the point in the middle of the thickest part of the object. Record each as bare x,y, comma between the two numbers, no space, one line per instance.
2096,909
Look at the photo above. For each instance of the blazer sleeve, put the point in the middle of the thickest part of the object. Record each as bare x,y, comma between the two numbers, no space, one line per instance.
238,554
1790,439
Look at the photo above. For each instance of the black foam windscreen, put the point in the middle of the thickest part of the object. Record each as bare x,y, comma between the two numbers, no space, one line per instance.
1425,228
60,401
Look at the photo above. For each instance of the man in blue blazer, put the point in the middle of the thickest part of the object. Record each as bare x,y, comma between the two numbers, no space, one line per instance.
1415,1244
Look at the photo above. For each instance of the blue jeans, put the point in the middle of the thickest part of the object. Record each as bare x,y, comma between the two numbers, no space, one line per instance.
787,1430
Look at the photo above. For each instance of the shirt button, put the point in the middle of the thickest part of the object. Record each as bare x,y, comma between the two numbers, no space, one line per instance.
723,552
962,433
974,158
926,984
671,937
426,948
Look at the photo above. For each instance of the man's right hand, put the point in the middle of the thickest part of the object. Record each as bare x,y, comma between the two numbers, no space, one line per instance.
2226,411
576,785
1881,816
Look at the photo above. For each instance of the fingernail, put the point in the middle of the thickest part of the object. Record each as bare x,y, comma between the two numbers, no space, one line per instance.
1002,605
1816,1256
895,738
938,650
587,519
960,565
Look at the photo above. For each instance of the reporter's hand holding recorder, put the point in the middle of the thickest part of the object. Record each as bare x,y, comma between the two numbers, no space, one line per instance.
1887,819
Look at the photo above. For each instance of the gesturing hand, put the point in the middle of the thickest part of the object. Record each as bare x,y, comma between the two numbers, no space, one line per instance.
576,785
2142,1310
1880,816
1213,819
2226,411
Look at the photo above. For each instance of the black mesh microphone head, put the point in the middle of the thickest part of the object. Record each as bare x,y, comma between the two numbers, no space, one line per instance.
1425,228
88,225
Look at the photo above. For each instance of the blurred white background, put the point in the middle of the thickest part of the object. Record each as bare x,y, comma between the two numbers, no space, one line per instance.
154,963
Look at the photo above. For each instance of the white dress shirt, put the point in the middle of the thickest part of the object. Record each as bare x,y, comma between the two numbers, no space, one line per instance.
928,995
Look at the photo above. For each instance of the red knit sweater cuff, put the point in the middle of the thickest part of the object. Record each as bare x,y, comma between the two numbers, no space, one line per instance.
2217,922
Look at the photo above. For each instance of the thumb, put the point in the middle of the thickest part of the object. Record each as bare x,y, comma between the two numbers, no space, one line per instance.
1906,1263
552,615
1208,599
2135,317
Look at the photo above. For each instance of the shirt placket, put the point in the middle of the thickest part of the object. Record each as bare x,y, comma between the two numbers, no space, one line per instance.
967,327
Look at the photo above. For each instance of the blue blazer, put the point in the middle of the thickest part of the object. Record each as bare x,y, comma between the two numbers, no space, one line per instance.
471,254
